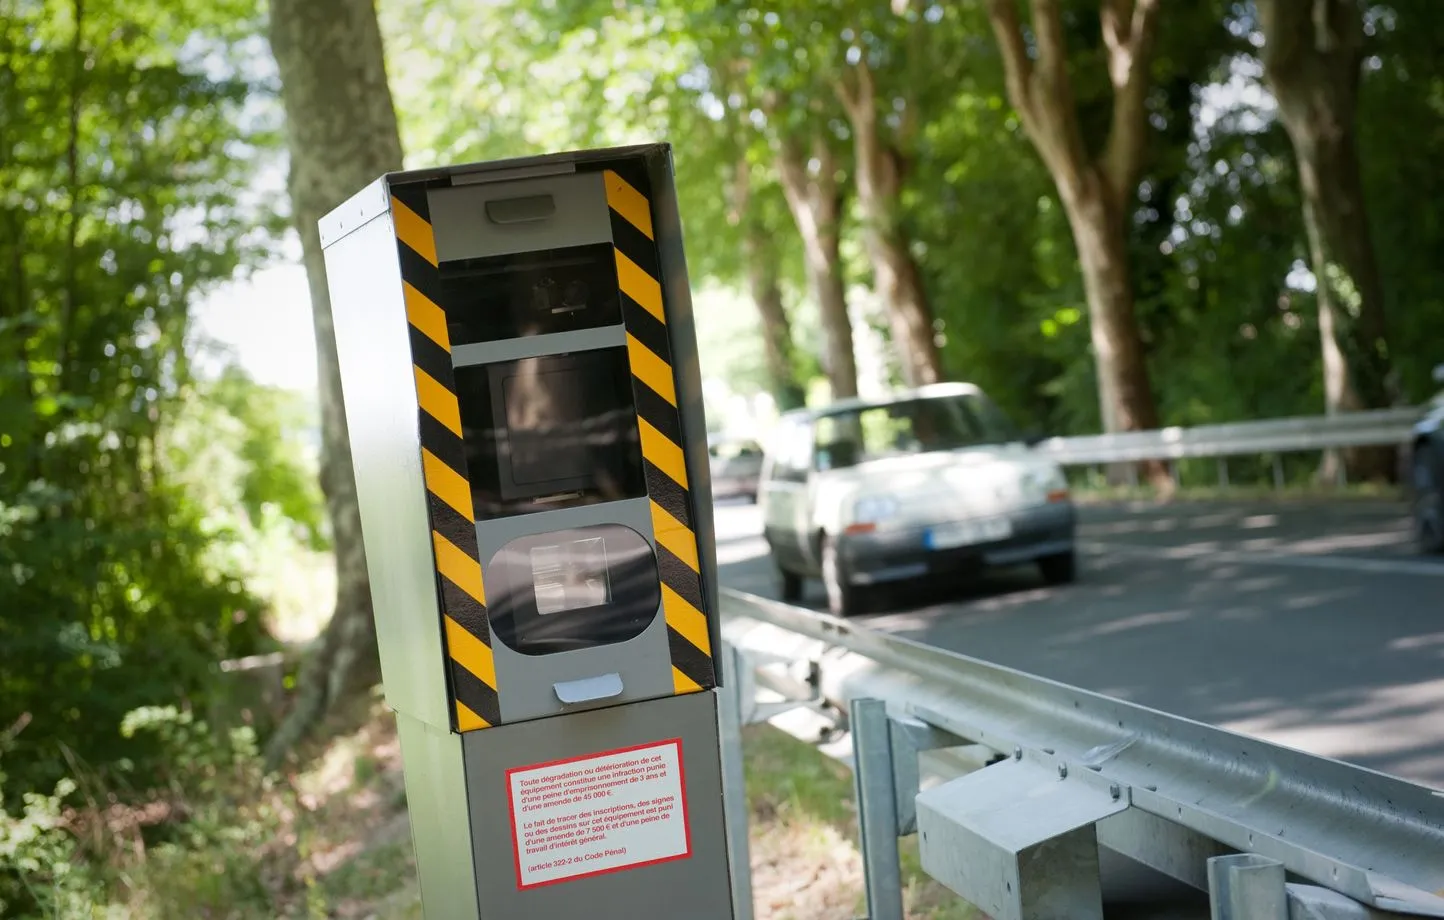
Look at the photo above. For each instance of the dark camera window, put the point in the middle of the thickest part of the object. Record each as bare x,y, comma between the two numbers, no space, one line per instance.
572,589
551,432
531,293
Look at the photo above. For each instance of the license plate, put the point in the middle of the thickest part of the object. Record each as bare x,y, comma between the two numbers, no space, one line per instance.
967,533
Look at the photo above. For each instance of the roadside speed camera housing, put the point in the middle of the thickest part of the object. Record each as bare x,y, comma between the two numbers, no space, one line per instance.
524,405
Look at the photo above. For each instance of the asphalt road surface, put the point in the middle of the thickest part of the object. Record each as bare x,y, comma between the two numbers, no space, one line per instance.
1311,625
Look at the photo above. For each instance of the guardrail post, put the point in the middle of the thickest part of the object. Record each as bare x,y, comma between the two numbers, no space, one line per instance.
1223,472
877,817
1278,472
1246,886
734,798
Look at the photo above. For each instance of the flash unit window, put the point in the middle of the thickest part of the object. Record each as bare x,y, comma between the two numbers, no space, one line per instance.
572,589
570,575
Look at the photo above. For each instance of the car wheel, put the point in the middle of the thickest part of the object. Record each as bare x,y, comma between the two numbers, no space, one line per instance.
842,597
1059,569
1428,500
789,586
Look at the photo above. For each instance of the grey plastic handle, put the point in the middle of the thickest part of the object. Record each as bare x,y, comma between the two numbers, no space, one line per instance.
520,210
601,687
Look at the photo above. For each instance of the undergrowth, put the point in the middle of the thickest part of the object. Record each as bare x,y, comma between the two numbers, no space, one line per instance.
219,839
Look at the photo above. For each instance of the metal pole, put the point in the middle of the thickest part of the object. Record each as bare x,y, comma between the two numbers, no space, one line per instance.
1246,886
734,792
876,809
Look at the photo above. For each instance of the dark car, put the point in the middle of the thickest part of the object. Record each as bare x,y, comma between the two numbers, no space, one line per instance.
1427,473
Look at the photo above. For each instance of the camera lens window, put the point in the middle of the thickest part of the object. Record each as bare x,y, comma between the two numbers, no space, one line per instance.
556,431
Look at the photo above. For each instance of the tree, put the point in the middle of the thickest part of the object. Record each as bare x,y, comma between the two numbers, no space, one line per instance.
115,145
1312,54
762,261
808,171
1096,189
884,121
341,132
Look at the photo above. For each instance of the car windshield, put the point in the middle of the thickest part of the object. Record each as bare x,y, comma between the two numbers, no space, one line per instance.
912,426
740,450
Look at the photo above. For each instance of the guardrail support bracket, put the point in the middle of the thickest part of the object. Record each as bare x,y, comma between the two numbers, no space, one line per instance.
1017,840
1246,886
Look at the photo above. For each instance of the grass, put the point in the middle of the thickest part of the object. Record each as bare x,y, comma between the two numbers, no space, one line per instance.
333,841
1373,492
805,862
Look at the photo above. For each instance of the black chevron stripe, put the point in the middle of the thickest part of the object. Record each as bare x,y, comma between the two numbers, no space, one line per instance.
473,694
689,659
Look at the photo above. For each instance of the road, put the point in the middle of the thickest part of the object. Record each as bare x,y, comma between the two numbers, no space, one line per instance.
1312,625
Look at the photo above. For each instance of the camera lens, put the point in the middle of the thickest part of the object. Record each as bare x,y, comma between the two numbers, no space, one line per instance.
544,295
576,296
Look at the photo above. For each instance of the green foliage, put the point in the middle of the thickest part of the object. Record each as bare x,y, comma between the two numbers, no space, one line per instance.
208,842
125,131
1401,140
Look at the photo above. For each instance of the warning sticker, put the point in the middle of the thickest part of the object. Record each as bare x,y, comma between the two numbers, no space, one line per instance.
599,813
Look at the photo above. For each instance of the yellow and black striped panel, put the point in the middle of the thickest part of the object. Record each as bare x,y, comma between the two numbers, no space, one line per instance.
660,426
443,460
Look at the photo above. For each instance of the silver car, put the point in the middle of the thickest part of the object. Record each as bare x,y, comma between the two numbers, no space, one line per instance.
929,482
736,466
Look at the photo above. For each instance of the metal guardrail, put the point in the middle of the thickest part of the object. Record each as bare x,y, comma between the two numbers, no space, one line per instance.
1069,771
1282,435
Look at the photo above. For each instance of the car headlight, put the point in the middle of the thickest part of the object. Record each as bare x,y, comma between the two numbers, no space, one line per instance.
1045,485
874,509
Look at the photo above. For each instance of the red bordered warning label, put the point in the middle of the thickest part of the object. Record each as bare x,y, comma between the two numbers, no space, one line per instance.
598,813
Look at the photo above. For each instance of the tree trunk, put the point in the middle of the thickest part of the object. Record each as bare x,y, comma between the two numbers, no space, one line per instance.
763,270
879,191
815,201
342,134
1125,393
1096,189
1312,56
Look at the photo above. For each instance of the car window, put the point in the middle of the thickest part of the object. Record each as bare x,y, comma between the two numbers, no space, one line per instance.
913,426
741,450
791,452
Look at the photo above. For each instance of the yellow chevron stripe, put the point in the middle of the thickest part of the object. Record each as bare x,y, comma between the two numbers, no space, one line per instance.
466,720
447,484
650,369
681,683
413,230
640,286
674,535
628,202
462,570
438,402
664,455
686,619
426,316
470,652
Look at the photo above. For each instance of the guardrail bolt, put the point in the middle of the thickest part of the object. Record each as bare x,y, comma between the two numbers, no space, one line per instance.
1062,771
1114,791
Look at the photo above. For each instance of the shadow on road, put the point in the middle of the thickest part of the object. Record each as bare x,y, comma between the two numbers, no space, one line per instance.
1328,638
